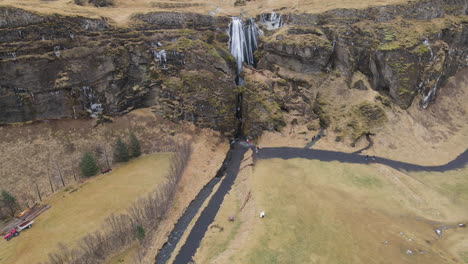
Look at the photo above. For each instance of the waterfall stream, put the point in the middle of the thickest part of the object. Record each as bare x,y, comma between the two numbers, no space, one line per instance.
243,43
271,21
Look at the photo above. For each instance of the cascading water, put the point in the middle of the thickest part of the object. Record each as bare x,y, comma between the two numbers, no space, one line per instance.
93,106
431,94
428,45
243,42
242,45
161,57
271,21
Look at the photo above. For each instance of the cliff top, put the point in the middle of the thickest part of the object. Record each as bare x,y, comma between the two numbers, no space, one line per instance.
122,10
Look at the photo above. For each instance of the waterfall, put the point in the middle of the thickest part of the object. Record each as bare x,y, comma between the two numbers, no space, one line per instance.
57,51
428,45
161,57
271,21
12,54
93,106
431,94
243,42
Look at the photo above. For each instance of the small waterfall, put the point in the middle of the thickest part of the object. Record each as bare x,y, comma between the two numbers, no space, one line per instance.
93,106
431,94
12,54
161,57
271,21
57,51
428,45
243,42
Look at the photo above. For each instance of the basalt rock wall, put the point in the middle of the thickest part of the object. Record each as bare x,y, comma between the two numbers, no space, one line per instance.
402,49
74,67
178,63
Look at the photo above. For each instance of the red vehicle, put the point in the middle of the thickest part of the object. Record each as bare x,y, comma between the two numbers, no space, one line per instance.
11,234
106,170
15,231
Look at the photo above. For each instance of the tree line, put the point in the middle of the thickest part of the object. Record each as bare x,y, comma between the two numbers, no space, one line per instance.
137,224
122,152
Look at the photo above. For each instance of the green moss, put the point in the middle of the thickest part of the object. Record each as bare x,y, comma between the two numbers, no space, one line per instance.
393,37
300,40
263,110
363,118
224,53
421,49
372,114
319,109
184,45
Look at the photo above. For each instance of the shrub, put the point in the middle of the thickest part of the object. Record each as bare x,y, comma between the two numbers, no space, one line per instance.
140,232
7,200
88,165
134,146
121,151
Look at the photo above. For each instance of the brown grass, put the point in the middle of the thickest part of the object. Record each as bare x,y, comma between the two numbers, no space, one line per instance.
73,214
29,153
432,136
319,212
329,212
123,9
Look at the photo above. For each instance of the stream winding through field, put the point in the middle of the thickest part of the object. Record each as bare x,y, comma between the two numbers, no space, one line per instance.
242,44
328,155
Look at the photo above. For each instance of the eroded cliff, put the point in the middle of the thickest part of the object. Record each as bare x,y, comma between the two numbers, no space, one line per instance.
178,63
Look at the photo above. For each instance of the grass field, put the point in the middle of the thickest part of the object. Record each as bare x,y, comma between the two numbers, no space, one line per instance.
126,256
329,212
73,214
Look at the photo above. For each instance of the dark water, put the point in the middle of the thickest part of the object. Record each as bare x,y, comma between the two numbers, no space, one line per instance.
208,214
165,252
326,155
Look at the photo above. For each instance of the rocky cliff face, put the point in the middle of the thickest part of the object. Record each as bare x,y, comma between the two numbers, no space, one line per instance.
56,67
402,49
178,64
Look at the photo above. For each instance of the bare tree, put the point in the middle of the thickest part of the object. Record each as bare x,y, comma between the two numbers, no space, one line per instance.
73,170
50,179
120,230
38,191
60,173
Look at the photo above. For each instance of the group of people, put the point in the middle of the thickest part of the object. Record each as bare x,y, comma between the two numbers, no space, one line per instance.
255,149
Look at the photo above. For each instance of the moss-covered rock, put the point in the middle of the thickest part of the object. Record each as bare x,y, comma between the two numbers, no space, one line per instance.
363,119
261,108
